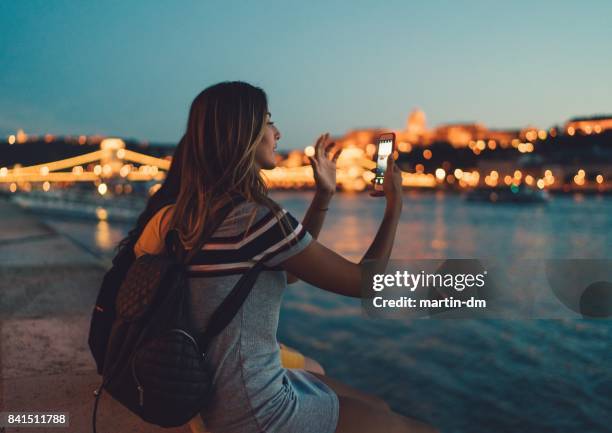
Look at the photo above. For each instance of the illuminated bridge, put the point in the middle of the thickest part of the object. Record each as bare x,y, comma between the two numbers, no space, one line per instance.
114,162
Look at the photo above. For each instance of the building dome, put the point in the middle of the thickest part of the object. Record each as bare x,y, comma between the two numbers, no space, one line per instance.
417,122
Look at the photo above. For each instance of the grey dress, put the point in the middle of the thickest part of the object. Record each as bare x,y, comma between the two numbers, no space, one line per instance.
253,392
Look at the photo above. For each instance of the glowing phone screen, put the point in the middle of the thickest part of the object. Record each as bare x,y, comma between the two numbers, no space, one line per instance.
385,147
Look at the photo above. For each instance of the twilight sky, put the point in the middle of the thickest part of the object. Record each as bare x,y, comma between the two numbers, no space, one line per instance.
131,68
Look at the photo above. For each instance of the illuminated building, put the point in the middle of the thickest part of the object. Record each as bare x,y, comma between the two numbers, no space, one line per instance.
589,125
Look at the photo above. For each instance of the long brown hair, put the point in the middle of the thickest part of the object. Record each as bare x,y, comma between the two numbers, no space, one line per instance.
226,123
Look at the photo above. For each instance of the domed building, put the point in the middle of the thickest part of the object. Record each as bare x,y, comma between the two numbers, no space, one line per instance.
416,124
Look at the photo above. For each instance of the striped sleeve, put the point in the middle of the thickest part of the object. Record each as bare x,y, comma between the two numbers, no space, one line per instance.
252,233
284,239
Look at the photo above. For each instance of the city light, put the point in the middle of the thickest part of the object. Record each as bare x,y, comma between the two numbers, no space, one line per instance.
101,213
404,146
114,161
309,151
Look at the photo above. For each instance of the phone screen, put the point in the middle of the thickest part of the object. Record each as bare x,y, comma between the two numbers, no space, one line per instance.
385,147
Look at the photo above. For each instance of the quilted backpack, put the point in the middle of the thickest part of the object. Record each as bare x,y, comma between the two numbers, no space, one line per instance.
155,362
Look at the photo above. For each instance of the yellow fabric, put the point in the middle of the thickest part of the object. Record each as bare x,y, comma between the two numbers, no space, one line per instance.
289,358
151,240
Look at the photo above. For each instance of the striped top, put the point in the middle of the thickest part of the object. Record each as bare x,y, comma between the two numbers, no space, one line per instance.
253,393
251,232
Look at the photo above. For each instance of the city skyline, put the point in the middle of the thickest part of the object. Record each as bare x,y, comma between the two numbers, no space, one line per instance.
132,70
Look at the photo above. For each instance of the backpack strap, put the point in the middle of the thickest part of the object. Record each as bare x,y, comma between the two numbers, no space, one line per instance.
228,309
225,312
175,247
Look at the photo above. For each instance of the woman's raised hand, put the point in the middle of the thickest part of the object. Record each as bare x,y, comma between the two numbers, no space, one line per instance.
324,164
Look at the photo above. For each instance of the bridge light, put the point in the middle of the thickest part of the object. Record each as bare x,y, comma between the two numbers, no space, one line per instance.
46,186
13,187
112,144
3,171
101,213
11,139
44,171
97,170
102,188
124,171
107,170
121,153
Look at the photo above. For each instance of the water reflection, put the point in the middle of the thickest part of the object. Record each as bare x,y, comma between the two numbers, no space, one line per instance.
104,238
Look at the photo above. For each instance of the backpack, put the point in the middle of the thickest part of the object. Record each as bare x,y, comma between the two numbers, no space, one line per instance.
104,313
155,363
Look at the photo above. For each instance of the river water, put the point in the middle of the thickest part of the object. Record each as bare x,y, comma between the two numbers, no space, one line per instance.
477,375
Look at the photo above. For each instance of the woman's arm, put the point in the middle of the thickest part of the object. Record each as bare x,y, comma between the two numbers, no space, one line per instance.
324,171
313,220
315,215
322,267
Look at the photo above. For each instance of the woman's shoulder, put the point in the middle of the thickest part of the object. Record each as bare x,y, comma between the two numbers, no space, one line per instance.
246,217
149,241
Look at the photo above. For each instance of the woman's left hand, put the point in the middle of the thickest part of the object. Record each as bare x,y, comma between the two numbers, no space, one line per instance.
324,167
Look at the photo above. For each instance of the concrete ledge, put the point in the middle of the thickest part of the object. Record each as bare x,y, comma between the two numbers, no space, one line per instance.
48,287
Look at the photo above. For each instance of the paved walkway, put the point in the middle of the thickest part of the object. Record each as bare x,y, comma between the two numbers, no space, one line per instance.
48,286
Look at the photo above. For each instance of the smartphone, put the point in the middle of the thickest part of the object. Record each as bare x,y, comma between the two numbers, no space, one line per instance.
386,146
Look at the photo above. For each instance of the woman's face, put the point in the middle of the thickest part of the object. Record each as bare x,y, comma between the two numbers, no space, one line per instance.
265,152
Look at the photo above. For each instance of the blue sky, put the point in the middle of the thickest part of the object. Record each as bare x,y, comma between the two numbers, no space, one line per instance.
131,68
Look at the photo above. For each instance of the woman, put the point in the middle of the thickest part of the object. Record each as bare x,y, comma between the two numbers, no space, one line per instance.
229,139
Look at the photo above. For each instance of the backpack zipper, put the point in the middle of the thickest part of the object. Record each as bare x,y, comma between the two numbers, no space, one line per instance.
138,385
